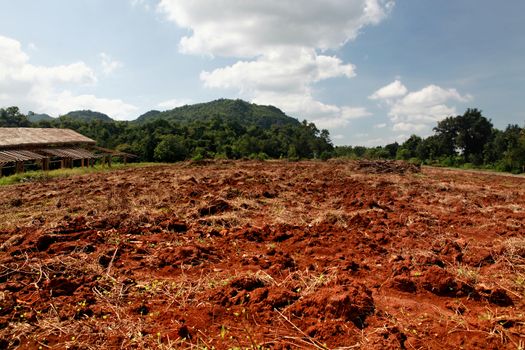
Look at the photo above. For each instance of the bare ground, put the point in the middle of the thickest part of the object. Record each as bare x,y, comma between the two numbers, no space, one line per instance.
264,255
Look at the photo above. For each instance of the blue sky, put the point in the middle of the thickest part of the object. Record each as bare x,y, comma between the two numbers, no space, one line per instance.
371,71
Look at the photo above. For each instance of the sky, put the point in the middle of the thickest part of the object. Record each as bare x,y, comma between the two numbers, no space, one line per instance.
370,71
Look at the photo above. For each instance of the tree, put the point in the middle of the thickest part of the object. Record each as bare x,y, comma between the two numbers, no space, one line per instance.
11,117
446,133
514,159
171,149
392,149
409,148
473,132
500,143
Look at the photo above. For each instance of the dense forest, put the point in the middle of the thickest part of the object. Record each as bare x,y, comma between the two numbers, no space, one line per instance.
237,129
220,129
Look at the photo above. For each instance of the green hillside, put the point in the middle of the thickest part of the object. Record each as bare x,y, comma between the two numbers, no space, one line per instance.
238,111
37,117
87,116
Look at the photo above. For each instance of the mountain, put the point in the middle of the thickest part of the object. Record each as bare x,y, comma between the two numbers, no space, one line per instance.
34,117
239,111
87,116
151,115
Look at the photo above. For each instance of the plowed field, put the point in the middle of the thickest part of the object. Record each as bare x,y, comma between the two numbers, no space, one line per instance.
264,255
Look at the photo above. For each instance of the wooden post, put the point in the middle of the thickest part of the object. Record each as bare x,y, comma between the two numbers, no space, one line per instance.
19,167
109,161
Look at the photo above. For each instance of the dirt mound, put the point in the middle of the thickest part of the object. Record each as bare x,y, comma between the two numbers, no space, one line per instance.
188,255
214,207
352,303
441,282
387,167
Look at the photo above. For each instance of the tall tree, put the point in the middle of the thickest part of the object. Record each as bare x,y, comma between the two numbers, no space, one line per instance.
11,117
409,148
473,132
446,133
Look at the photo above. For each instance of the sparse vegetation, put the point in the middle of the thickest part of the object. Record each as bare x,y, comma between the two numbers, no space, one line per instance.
42,176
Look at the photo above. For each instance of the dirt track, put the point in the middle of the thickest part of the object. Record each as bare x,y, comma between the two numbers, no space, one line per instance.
264,255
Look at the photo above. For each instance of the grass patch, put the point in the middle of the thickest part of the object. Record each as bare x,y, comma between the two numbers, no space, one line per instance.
39,175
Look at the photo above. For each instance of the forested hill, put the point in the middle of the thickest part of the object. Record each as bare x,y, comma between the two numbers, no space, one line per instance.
33,117
237,111
218,129
87,116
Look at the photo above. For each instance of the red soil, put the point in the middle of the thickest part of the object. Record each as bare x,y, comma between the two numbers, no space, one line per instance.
264,255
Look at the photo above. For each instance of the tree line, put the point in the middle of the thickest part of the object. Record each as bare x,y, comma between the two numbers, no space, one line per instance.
468,140
216,136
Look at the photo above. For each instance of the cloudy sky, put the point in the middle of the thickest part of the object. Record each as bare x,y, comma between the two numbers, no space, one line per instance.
370,71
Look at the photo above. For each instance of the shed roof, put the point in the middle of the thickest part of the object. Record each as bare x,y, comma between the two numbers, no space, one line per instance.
73,153
18,156
24,137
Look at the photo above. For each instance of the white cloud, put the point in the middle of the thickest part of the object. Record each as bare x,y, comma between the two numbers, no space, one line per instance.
282,46
47,89
380,126
66,101
248,28
341,116
109,65
278,70
419,110
173,103
365,140
392,90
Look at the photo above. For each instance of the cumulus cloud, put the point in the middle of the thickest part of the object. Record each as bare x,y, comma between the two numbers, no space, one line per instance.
392,90
281,46
249,28
341,117
279,70
45,88
109,64
419,110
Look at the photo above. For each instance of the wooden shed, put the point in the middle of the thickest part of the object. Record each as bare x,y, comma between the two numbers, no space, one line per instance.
48,148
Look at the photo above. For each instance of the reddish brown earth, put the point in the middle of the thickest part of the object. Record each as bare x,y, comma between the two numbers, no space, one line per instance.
264,255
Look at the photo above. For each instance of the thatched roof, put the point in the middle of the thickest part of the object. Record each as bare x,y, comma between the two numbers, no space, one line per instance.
38,137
